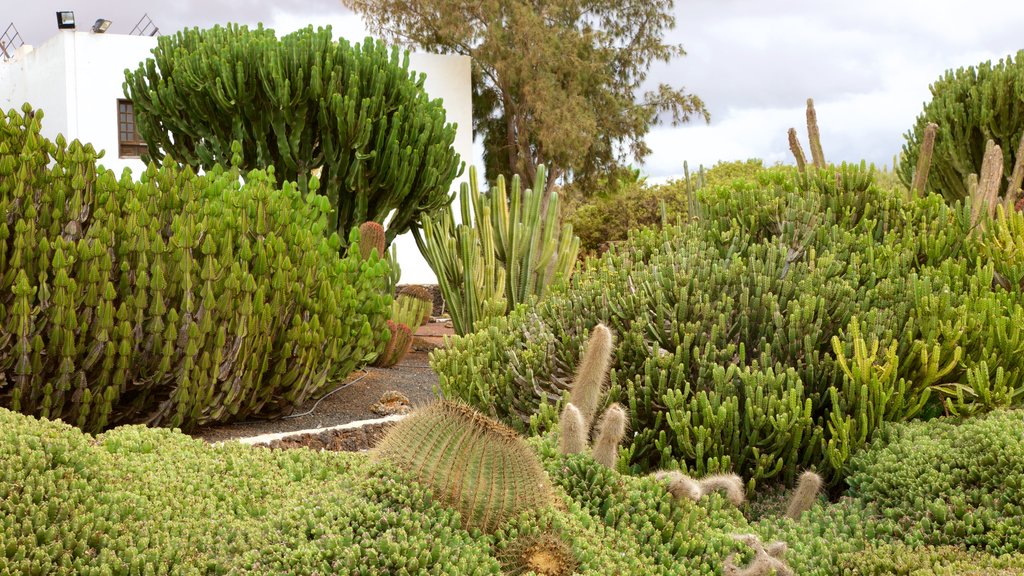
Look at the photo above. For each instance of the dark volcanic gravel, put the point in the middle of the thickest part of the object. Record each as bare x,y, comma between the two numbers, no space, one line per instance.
412,377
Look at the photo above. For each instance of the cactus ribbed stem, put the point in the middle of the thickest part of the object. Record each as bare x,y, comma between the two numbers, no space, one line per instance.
924,161
797,150
814,135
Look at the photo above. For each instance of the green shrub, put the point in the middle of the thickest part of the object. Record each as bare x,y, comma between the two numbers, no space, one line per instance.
949,483
608,216
354,115
970,106
729,329
178,300
123,503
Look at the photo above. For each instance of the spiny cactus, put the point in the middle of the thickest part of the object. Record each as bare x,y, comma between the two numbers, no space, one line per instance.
768,560
730,484
588,385
806,492
371,238
572,434
924,161
472,463
610,432
545,555
398,345
411,311
510,246
797,150
305,103
814,135
682,486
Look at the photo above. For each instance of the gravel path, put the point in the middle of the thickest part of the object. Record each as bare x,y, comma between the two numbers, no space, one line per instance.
412,377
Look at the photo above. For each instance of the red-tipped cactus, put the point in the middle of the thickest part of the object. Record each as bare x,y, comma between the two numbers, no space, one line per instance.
397,347
371,236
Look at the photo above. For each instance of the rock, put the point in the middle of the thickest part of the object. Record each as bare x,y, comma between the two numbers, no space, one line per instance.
390,403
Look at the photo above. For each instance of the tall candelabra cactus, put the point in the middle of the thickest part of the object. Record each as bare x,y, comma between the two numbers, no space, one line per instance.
305,104
509,246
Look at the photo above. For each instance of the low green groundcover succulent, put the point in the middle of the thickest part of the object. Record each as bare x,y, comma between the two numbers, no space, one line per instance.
135,500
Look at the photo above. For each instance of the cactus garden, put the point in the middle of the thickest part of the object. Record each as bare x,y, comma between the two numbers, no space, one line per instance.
808,369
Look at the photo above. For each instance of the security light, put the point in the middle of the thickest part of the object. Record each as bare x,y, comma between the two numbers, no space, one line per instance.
101,26
66,20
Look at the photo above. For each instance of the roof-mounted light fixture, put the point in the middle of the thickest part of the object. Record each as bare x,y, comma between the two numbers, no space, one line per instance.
66,20
101,26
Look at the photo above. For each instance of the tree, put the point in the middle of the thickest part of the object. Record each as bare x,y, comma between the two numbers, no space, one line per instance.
302,104
555,82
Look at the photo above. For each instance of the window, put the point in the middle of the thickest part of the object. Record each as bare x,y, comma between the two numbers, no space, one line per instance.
129,143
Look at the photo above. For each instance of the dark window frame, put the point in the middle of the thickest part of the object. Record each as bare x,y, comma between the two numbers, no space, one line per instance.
129,143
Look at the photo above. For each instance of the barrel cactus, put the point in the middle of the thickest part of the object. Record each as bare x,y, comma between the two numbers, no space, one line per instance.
473,463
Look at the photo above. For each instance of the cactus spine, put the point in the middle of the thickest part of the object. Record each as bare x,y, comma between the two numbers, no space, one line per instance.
371,237
572,435
610,432
797,150
814,135
588,385
924,162
807,488
472,463
398,345
730,484
768,560
508,247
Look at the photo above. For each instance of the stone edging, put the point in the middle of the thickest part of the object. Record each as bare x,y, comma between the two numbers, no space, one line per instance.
268,438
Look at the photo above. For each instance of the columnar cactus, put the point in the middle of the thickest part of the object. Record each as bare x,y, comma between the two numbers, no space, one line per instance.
355,115
506,249
472,463
399,344
806,492
971,106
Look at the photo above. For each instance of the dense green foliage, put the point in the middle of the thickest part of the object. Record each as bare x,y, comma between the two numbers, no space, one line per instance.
304,104
177,300
776,332
947,483
610,212
509,246
971,106
122,503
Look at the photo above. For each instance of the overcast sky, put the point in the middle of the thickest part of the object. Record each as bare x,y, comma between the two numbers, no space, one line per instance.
866,63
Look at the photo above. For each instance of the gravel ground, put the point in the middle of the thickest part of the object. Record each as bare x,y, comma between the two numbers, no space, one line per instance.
412,377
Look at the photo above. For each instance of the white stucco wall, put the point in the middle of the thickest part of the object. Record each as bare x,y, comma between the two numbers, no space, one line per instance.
76,78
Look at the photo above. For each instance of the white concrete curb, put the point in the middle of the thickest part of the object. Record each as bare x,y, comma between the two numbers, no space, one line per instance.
266,438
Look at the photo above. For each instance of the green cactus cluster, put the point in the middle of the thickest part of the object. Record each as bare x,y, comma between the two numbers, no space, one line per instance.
353,114
949,483
776,332
970,107
508,247
120,502
177,300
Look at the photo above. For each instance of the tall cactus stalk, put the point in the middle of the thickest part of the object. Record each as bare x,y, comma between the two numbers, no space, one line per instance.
797,150
814,135
507,248
924,162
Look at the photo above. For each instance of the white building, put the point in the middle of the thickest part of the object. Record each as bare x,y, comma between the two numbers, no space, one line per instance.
76,79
